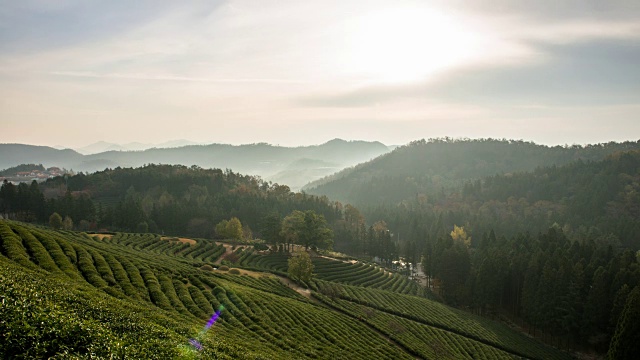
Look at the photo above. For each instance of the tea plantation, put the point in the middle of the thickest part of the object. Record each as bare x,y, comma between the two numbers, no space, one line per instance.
142,296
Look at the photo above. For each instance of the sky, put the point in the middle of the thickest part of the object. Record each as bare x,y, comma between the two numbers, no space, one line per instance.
74,72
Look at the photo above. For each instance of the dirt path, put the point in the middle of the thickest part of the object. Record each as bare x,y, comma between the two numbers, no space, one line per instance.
182,240
227,251
299,289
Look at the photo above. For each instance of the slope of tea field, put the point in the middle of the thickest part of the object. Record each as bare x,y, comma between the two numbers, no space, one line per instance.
142,296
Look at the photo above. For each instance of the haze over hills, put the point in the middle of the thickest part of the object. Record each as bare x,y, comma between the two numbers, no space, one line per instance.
293,166
103,146
428,167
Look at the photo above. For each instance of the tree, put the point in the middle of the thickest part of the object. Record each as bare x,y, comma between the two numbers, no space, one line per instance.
625,344
301,267
230,229
221,228
454,270
307,228
67,223
55,221
270,228
142,227
459,235
292,228
234,229
316,231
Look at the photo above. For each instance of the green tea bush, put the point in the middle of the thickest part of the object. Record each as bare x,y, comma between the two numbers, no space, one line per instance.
39,253
102,267
88,270
155,292
185,298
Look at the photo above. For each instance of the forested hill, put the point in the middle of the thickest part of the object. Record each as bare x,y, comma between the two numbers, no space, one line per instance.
173,199
265,160
428,167
587,199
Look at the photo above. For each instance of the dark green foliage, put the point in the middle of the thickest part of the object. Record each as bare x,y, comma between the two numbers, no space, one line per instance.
87,268
185,201
12,246
167,287
21,168
135,278
55,251
200,300
67,248
155,292
37,252
55,221
185,298
424,167
625,344
420,315
103,267
120,276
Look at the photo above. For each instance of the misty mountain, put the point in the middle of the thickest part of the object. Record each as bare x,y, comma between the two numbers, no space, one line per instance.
430,167
103,146
293,166
15,154
298,173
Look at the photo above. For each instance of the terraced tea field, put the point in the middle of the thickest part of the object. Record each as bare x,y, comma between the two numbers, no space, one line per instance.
143,296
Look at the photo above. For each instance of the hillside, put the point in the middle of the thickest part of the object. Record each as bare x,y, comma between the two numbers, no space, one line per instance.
262,159
143,296
17,154
428,167
587,199
172,199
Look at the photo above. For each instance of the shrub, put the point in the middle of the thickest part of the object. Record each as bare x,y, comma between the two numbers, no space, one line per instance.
261,247
223,268
206,267
234,271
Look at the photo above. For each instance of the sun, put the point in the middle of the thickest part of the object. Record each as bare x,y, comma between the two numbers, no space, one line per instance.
407,44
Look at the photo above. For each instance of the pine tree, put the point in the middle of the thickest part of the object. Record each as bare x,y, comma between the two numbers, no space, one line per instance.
625,344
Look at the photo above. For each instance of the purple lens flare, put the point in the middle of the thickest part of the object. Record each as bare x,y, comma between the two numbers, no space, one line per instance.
195,343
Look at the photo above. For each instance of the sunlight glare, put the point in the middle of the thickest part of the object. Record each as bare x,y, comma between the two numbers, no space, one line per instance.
408,44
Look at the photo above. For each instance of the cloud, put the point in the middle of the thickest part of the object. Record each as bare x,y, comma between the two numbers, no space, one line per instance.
553,10
154,77
211,66
586,73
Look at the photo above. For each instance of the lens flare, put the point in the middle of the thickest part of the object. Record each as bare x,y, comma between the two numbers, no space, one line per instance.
195,342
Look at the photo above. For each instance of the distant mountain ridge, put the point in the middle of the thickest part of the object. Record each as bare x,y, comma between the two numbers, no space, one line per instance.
292,166
103,146
427,167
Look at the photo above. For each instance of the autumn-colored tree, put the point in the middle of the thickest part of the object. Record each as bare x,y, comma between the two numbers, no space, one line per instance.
459,235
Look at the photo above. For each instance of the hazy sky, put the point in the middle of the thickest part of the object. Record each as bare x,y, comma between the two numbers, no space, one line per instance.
304,72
